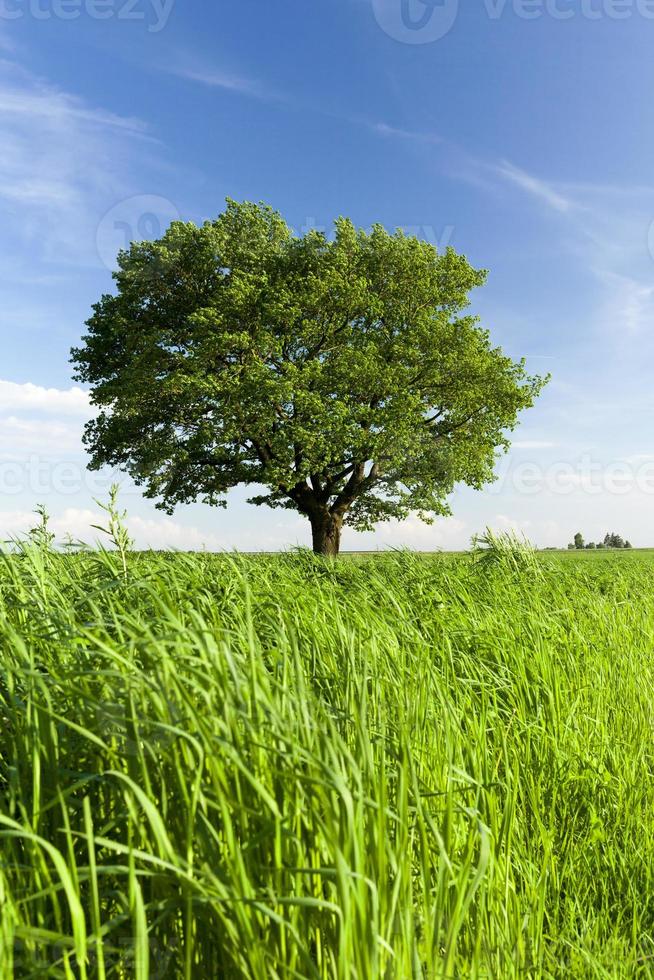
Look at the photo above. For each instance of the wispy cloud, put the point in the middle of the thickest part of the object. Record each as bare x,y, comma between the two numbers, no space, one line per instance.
532,444
384,129
535,186
605,231
630,303
481,173
63,163
41,101
214,78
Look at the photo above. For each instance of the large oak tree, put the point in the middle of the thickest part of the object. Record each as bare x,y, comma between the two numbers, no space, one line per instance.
341,376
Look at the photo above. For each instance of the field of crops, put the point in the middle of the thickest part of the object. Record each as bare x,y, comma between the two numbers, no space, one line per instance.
279,767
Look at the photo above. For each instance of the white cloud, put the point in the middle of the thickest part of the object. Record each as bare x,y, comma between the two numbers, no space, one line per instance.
72,520
14,522
63,164
47,422
629,303
45,437
446,533
534,185
155,531
505,523
77,522
543,534
45,103
607,230
532,444
383,129
30,397
211,76
640,458
214,78
164,532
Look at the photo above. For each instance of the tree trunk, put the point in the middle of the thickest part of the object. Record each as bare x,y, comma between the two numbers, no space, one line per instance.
326,532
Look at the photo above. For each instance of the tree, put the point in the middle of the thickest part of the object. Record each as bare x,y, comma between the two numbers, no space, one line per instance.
590,546
341,377
579,540
614,540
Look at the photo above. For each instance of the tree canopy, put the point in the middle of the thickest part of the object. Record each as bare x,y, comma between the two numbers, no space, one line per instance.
340,376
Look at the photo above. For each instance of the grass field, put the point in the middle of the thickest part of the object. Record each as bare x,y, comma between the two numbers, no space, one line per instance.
277,767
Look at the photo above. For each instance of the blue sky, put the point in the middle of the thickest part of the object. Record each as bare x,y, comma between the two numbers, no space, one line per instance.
519,131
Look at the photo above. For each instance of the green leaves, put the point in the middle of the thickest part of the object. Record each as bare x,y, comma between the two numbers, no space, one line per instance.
341,374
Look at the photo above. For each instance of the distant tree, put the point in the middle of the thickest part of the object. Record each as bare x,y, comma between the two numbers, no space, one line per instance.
590,546
579,540
613,540
601,544
571,547
628,544
340,377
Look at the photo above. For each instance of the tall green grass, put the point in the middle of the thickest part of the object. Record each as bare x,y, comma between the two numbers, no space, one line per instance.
277,767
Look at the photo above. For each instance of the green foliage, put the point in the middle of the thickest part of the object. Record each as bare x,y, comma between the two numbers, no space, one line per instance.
259,767
506,549
41,535
116,529
613,540
344,376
